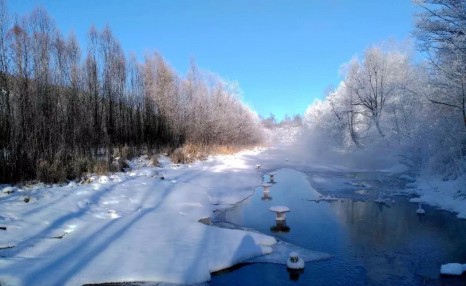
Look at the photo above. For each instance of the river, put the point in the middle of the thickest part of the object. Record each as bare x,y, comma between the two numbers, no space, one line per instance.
372,243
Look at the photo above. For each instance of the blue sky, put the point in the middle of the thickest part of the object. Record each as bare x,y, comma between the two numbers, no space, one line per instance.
283,53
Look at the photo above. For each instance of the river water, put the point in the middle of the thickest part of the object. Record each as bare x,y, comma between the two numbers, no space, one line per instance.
372,243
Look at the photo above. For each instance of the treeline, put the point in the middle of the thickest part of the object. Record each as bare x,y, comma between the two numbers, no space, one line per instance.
288,121
62,112
416,111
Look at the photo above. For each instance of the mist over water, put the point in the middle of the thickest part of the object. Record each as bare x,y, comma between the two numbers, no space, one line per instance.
311,148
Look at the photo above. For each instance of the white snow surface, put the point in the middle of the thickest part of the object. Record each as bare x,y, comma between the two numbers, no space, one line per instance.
279,209
452,269
129,226
448,195
295,265
136,226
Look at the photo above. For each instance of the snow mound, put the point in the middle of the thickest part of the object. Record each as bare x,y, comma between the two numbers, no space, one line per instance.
72,184
8,190
104,179
452,269
447,195
117,178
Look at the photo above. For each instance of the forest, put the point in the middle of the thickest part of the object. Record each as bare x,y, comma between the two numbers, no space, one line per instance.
65,111
389,104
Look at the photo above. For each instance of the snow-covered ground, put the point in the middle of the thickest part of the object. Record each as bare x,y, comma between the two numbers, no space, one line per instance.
130,226
448,195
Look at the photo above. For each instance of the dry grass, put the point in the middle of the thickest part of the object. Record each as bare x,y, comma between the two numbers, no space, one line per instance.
192,152
180,156
51,172
189,153
154,160
60,171
125,152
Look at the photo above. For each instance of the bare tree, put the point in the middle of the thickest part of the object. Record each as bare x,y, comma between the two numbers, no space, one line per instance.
59,114
5,104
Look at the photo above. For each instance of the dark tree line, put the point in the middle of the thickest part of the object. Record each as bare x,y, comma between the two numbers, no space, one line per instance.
60,111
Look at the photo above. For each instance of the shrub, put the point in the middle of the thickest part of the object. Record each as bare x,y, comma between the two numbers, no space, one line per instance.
154,160
100,167
51,172
79,166
120,165
179,156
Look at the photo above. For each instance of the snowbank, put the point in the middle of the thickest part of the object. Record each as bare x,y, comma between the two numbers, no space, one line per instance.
131,226
447,195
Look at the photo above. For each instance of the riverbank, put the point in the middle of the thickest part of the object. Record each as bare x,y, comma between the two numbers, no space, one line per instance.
74,234
447,195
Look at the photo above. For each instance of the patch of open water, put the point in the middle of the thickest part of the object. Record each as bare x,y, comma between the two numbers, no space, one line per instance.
372,243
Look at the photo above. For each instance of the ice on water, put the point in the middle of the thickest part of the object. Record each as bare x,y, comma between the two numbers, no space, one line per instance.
281,251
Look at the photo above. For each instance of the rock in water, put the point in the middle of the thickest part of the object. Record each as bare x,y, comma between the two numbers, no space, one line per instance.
294,261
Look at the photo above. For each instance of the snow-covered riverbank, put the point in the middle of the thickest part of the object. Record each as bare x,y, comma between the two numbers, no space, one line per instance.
446,195
132,226
143,225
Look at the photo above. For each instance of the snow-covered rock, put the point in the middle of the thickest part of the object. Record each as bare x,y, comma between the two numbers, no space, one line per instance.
117,178
72,184
8,190
294,261
104,179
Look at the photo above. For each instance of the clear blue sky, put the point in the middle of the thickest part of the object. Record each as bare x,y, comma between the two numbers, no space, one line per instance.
283,53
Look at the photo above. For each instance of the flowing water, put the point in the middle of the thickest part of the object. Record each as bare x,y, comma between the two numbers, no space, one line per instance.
372,243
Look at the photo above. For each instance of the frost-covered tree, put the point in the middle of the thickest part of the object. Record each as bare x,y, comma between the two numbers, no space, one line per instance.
441,31
372,82
371,96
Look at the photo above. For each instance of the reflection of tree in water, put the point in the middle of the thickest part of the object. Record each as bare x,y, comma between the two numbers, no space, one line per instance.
396,245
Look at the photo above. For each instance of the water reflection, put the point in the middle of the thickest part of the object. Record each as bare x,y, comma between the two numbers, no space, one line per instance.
266,196
280,226
421,217
294,273
397,245
374,243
